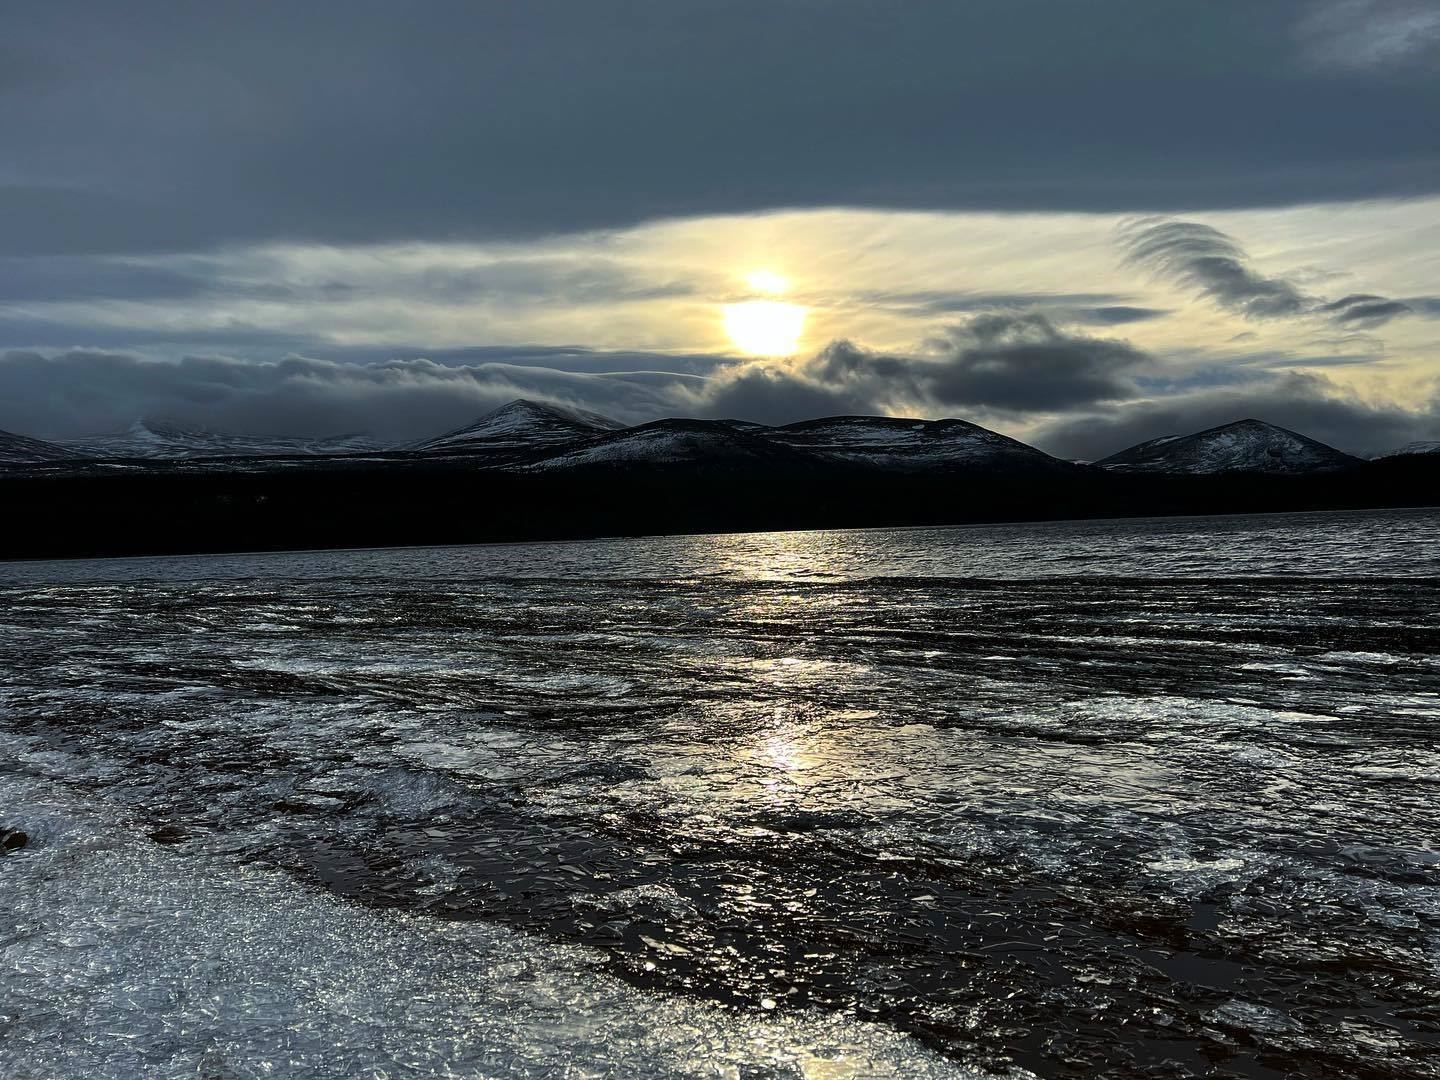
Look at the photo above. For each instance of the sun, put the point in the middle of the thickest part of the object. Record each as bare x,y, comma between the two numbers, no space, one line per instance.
765,327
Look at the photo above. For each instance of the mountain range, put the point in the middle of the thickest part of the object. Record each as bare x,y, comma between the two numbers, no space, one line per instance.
531,470
160,440
533,435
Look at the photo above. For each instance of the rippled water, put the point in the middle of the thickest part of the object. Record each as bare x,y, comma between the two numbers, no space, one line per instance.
1143,798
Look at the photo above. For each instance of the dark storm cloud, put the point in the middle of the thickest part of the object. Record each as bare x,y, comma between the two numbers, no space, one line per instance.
83,392
1304,402
1216,267
1000,362
161,125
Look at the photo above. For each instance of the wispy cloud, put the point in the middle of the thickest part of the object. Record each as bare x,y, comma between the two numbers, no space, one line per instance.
1211,263
1365,309
1215,266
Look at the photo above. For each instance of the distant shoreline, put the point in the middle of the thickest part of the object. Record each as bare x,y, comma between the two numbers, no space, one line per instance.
169,511
620,538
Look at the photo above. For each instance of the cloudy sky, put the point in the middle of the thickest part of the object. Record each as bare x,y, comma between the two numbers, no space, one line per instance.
1083,224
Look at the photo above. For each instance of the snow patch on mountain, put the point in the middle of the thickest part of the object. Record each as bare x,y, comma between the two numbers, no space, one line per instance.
23,450
1411,448
672,442
1242,446
910,444
160,440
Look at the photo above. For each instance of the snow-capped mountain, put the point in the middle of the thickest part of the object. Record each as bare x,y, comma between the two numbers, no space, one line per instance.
160,440
521,425
888,442
23,450
1243,446
714,444
1411,448
871,441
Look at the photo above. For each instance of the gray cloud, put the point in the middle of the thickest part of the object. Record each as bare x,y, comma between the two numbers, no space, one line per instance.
82,392
1301,401
1121,314
1211,263
1365,309
1025,363
1361,34
553,281
951,302
997,369
561,279
1000,362
1216,267
1092,308
1010,363
62,278
226,124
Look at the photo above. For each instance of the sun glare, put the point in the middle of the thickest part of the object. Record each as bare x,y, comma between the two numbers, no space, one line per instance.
767,281
765,327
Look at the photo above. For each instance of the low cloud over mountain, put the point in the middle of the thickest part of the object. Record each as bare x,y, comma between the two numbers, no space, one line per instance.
1070,392
1005,362
1299,400
81,392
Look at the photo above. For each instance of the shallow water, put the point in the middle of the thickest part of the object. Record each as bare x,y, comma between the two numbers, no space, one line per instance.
1145,798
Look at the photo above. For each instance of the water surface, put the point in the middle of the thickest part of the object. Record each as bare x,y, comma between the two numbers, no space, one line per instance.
1130,798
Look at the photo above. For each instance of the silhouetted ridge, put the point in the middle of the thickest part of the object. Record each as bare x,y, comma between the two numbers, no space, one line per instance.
1408,449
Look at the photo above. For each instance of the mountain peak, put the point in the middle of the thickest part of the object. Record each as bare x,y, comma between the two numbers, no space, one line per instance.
908,442
521,424
530,407
1247,445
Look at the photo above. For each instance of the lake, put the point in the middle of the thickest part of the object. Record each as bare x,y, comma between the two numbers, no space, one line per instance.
1153,796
